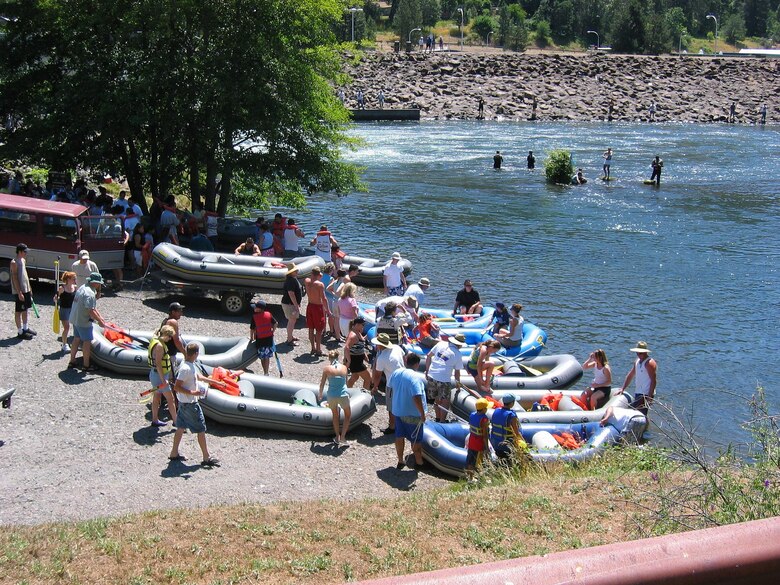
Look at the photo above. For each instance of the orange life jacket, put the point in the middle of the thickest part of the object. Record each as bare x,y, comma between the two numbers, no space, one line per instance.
568,441
552,400
229,378
116,337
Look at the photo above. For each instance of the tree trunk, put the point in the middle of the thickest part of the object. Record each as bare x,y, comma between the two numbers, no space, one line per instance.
227,174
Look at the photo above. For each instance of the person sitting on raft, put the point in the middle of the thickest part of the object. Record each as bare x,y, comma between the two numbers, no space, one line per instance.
467,301
248,248
597,394
513,336
392,323
500,319
427,331
480,366
578,179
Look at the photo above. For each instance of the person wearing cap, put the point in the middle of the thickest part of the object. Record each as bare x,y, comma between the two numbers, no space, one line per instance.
467,301
478,445
291,301
262,327
20,288
408,407
393,277
83,267
417,290
505,435
389,358
355,354
175,343
83,313
500,318
317,309
645,371
161,374
335,374
442,363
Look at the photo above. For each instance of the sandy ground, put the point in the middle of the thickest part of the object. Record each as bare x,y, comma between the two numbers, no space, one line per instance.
79,445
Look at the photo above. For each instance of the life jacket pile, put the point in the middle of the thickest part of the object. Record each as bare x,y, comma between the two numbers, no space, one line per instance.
568,440
229,378
117,337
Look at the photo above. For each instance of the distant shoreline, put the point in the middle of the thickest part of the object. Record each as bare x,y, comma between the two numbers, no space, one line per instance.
573,87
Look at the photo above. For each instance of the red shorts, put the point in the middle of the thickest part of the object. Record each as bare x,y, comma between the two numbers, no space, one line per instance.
315,317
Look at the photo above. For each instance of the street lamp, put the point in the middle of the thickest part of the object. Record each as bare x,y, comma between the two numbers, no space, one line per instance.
598,39
461,28
353,11
410,34
487,39
713,17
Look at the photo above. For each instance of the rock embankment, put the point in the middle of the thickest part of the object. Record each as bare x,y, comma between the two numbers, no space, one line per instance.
570,87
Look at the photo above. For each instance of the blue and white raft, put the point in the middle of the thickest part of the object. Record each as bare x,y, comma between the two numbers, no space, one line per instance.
534,340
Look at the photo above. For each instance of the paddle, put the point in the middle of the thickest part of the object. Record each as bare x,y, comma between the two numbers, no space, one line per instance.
55,318
278,362
529,370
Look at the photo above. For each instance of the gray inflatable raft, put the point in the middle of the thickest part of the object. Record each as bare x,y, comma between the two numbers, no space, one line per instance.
371,271
270,403
233,353
542,372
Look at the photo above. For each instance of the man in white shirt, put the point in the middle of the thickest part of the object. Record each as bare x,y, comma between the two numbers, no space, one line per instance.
83,267
442,362
417,290
393,275
389,358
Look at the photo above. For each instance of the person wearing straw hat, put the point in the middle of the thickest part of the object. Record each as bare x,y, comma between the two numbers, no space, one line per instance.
408,406
389,358
83,313
291,301
442,362
644,371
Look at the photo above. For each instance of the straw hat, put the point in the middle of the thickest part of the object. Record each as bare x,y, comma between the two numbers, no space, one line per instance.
396,256
382,340
641,347
291,268
459,340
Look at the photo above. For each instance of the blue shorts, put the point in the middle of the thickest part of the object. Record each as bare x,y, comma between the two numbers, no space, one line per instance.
65,314
83,333
409,427
395,291
154,379
190,417
473,458
265,352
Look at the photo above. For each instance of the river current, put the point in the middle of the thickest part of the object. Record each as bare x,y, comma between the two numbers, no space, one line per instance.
690,267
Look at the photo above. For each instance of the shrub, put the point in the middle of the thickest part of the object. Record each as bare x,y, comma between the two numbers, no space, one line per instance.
558,167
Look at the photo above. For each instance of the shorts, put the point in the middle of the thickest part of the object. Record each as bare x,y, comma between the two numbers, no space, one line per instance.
428,341
506,342
154,379
265,353
395,291
605,390
338,401
344,325
83,333
23,305
438,390
503,450
409,427
357,364
268,252
64,314
473,458
315,317
472,371
641,403
190,417
291,312
138,258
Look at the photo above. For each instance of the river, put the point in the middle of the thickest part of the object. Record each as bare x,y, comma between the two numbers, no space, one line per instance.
690,267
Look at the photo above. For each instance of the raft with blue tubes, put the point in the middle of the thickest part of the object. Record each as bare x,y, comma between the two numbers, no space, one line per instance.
444,445
442,317
534,340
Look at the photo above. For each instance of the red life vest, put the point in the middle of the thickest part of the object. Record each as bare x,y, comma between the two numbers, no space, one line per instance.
263,324
552,400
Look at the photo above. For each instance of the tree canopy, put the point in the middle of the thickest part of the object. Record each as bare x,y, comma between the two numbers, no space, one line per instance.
177,93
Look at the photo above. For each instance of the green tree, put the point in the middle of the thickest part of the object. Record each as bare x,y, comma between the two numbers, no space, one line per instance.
657,32
628,27
178,94
733,28
408,17
483,25
431,12
512,30
756,13
542,33
558,167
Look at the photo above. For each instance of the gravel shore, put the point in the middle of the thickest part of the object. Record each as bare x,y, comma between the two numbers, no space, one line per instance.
576,87
79,446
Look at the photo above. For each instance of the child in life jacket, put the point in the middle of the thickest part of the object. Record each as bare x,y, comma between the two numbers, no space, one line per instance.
478,444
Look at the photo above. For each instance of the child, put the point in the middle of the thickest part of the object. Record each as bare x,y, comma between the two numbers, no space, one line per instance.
64,296
479,431
500,318
427,331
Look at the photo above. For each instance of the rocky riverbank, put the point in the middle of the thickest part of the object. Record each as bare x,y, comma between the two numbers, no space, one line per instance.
577,87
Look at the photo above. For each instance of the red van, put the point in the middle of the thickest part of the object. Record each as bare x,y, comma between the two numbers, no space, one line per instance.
52,229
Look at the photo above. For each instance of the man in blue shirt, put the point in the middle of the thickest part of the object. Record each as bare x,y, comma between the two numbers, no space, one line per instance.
408,407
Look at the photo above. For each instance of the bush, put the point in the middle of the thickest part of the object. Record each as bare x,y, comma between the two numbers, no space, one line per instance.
558,167
542,30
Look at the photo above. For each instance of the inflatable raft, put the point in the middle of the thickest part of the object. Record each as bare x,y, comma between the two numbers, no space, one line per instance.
278,404
463,403
442,317
226,270
131,358
534,340
444,447
371,271
542,372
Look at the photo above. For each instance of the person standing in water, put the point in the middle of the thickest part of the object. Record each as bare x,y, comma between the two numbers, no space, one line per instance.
531,160
657,165
607,162
497,160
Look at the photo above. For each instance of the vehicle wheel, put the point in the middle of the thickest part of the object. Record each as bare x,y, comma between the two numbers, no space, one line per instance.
5,276
234,303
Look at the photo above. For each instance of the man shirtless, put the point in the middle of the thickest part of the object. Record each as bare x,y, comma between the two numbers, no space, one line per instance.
317,310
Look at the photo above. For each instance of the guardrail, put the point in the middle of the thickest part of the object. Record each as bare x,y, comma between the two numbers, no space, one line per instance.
747,553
